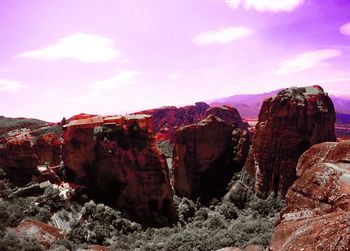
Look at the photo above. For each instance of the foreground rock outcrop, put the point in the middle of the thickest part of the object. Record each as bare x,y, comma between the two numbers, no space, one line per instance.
117,160
289,124
206,155
317,213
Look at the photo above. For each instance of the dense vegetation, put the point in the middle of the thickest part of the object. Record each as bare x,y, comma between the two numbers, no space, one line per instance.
235,220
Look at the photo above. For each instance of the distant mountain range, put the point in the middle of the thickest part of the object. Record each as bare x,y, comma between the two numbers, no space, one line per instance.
249,104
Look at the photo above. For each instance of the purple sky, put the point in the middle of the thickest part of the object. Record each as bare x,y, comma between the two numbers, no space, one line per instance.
63,57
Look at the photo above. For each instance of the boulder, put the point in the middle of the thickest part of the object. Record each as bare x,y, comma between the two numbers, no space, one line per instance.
43,233
117,160
316,216
206,155
288,125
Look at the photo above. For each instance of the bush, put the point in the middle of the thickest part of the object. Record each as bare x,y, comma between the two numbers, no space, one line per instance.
10,242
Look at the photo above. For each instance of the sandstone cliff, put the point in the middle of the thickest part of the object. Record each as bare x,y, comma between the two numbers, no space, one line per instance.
116,158
19,160
289,124
206,155
21,154
166,120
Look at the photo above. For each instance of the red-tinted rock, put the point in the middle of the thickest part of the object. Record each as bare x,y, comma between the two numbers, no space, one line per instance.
116,158
80,116
19,160
48,149
43,233
289,124
229,114
166,120
317,212
206,155
22,153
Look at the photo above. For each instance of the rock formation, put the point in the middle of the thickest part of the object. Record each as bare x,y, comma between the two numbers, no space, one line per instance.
48,149
19,160
22,153
227,113
206,155
166,120
116,158
289,124
316,216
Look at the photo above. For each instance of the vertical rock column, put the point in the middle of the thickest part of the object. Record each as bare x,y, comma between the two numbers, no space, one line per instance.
288,125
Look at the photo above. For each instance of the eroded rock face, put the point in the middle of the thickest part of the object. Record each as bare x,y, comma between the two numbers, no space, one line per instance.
116,158
19,160
22,153
48,149
316,216
206,155
166,120
289,124
229,114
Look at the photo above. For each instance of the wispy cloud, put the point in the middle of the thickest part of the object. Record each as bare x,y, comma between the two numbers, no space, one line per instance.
121,79
307,60
10,85
86,48
266,5
102,91
345,29
221,36
175,74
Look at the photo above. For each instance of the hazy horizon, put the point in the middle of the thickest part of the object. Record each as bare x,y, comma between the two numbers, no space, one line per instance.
61,58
